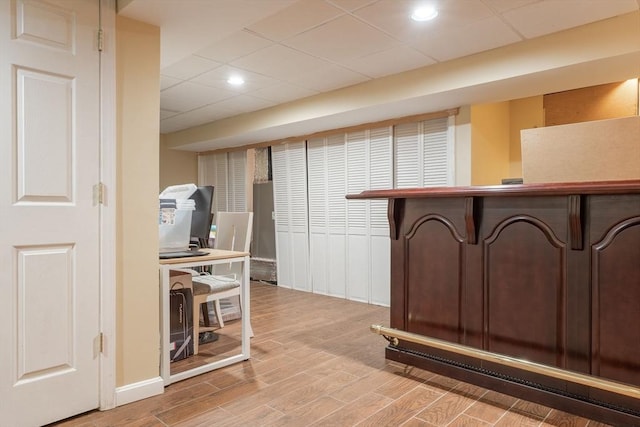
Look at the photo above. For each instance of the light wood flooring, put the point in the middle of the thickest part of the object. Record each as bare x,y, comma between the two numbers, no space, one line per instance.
315,363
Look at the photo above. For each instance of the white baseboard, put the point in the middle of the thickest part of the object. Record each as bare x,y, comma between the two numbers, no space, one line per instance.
138,391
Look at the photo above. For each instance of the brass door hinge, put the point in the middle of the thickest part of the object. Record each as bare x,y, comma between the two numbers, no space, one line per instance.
100,39
99,194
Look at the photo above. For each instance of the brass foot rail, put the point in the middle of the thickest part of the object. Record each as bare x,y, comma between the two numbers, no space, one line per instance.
393,335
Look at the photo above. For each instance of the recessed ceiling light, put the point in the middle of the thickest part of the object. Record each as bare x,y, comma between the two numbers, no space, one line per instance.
235,80
424,13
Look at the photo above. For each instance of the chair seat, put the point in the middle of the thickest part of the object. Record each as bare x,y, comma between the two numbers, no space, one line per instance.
208,284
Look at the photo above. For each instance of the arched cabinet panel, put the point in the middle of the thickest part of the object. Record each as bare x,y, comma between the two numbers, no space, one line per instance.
616,303
524,288
435,259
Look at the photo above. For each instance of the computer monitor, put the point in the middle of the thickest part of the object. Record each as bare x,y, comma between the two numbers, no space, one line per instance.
202,216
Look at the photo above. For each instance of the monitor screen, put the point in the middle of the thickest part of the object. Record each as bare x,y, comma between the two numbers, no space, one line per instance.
202,216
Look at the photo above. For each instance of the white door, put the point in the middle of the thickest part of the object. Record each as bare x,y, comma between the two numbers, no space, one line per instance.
49,222
290,203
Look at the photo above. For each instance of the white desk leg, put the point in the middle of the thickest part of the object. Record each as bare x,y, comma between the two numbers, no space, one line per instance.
165,372
247,331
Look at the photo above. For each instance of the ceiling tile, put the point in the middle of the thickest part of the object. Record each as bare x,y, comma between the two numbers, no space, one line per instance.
187,96
187,120
477,37
235,46
394,17
328,78
502,6
165,114
351,5
341,39
218,78
279,62
299,17
209,112
166,82
550,16
390,61
190,25
283,92
189,67
243,103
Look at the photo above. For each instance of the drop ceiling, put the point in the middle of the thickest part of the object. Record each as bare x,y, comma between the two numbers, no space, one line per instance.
291,49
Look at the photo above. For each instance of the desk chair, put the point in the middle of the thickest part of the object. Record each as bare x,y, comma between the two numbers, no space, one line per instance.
233,232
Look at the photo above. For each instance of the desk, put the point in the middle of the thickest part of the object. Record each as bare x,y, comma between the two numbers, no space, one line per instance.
213,256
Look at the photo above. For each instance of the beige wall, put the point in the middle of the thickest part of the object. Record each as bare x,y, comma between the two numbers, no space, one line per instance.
177,167
463,146
525,113
138,106
489,143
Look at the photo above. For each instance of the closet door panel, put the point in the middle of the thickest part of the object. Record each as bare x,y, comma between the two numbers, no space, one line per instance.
380,270
337,273
291,204
318,215
358,271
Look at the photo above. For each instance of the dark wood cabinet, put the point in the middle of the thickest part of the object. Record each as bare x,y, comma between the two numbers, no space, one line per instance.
546,273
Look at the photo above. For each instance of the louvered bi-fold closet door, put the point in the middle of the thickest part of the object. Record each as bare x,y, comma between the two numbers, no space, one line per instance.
349,239
380,178
318,213
237,190
423,154
369,166
220,189
290,203
227,173
358,268
327,214
336,165
437,165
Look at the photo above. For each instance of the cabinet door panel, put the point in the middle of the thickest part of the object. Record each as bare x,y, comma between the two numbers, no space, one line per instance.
434,252
616,303
525,277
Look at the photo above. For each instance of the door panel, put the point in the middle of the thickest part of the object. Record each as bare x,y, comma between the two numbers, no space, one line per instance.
44,351
44,171
49,154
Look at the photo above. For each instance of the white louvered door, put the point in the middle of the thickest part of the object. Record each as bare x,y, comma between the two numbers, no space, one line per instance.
237,194
348,240
318,215
327,215
358,271
349,244
221,186
336,164
437,165
424,154
369,166
380,178
290,203
227,173
407,155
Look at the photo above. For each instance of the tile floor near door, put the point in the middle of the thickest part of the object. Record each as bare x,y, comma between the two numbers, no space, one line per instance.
315,363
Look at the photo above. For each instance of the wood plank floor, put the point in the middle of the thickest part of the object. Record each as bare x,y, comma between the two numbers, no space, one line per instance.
315,363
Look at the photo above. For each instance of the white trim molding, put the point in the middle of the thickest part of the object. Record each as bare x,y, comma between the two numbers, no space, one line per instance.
108,208
140,390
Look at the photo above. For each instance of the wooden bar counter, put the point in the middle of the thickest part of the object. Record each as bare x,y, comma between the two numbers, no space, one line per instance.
543,273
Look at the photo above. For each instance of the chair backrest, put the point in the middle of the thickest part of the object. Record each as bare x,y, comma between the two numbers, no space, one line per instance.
233,233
